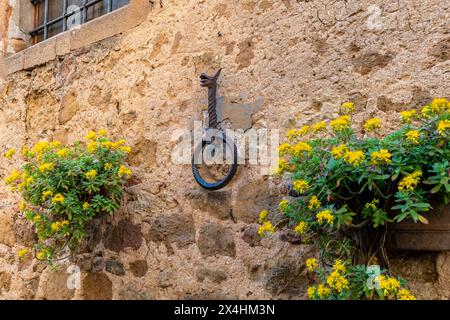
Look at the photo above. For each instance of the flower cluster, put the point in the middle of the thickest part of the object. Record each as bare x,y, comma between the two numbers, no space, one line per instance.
410,182
314,203
349,182
266,229
348,108
443,127
355,158
301,228
263,215
340,123
325,216
344,281
372,124
412,136
63,187
408,115
382,156
301,185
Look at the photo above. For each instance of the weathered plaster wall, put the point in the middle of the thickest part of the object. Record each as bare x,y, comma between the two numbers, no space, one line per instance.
172,239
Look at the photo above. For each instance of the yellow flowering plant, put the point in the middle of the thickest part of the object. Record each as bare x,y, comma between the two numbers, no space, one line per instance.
348,186
63,188
343,281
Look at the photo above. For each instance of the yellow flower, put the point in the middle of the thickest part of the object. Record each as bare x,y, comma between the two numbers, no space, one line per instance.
325,216
291,134
125,171
58,198
355,158
102,133
439,105
339,151
303,131
412,136
91,174
9,154
108,166
410,182
55,226
62,152
283,205
389,285
311,292
283,166
319,126
107,145
91,135
46,195
55,144
46,167
126,149
22,206
380,157
300,148
300,186
337,281
443,126
301,228
426,111
323,291
340,123
263,215
266,229
348,108
92,147
372,124
404,294
13,177
284,149
41,146
21,186
314,203
408,115
40,255
59,224
119,143
22,253
37,218
25,151
115,145
338,266
29,181
86,206
311,264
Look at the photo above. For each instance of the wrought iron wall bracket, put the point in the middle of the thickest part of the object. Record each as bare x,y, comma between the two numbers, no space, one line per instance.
210,82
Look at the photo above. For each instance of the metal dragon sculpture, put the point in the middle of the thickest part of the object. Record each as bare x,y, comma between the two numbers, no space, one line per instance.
216,141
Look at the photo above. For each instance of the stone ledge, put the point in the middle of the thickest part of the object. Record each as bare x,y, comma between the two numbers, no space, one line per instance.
93,31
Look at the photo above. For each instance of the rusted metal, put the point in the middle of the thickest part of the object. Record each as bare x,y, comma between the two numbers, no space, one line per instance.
434,236
210,82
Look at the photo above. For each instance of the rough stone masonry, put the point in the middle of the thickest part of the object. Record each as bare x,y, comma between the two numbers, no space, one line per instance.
172,239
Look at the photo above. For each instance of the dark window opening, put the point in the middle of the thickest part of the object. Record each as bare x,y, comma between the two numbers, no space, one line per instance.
52,17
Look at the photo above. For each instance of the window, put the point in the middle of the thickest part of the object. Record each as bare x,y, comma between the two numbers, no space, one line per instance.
55,16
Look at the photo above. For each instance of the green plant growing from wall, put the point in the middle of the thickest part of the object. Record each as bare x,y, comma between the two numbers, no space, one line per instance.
63,188
351,185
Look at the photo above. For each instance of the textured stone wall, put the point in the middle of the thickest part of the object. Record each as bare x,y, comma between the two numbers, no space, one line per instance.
297,60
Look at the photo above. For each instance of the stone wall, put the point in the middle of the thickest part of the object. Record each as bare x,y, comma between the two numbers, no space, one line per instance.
298,60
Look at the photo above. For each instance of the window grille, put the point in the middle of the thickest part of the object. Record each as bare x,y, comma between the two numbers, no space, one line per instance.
55,16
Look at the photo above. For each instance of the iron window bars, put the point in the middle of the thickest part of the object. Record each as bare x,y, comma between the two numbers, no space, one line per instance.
43,27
